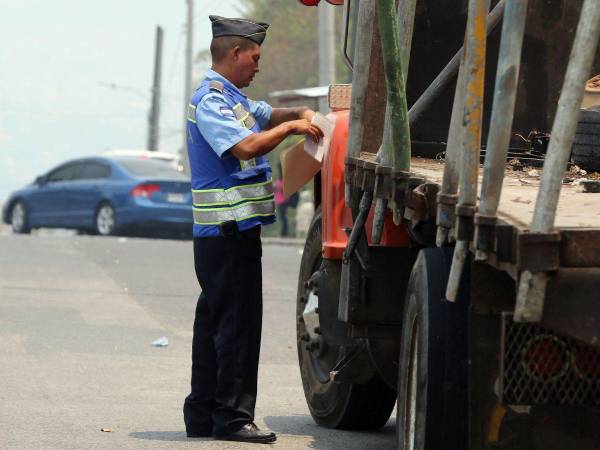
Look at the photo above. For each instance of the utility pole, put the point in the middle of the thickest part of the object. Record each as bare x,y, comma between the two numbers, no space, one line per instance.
187,91
154,116
326,50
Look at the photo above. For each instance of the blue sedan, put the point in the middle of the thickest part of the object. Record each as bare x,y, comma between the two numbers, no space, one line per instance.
105,195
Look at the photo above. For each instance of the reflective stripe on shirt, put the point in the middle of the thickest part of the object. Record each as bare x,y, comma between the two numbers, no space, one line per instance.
246,119
243,211
191,113
232,196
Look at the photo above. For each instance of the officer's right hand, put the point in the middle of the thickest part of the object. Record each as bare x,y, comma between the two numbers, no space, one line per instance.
303,126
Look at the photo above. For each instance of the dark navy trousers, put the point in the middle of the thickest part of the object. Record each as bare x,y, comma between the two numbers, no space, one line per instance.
227,332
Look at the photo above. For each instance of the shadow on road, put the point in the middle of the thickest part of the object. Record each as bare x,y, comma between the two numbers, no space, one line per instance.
324,438
170,436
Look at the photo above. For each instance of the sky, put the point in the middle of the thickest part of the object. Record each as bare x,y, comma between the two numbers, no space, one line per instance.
58,61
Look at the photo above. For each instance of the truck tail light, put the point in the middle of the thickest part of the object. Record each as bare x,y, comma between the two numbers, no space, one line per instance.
541,367
144,190
587,363
545,357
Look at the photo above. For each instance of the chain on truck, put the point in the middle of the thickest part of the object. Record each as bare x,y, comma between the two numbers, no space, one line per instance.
437,277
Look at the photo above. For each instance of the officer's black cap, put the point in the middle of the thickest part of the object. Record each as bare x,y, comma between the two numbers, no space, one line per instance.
255,31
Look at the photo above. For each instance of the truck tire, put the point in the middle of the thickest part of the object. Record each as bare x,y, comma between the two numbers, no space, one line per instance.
432,408
340,404
586,144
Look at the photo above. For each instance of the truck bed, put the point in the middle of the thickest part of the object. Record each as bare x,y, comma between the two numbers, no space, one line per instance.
517,202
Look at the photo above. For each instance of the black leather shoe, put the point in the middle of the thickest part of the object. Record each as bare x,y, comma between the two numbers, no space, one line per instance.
249,433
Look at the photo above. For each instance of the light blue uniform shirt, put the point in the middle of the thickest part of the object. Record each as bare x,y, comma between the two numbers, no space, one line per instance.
216,121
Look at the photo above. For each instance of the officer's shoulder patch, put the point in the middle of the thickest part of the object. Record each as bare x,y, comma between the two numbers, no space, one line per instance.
227,112
215,85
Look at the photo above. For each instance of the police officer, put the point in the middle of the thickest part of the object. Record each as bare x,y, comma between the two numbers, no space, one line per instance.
228,138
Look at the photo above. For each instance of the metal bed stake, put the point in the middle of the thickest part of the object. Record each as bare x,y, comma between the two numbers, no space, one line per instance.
505,94
472,118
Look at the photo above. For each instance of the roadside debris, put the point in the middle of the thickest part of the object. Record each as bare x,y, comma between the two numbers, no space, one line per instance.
576,170
592,186
161,342
106,430
574,175
515,164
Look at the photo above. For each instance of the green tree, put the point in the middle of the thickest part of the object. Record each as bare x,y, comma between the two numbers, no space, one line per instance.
289,57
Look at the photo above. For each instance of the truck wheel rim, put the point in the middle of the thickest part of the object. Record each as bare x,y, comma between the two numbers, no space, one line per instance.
323,358
105,220
411,390
317,359
18,216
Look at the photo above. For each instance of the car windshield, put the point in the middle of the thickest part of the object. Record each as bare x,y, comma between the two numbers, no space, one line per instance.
145,168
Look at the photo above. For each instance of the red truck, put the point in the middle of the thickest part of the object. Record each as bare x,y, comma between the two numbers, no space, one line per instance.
452,269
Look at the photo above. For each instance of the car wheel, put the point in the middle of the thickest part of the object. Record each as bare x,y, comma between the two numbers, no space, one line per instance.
19,218
106,220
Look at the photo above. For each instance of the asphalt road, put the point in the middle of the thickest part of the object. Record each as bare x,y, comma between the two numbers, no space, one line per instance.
77,318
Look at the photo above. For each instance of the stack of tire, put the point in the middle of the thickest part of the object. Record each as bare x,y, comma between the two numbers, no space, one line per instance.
586,145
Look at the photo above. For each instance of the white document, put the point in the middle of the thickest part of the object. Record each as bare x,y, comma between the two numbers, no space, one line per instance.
327,124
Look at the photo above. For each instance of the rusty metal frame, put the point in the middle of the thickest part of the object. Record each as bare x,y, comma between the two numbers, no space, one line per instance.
538,252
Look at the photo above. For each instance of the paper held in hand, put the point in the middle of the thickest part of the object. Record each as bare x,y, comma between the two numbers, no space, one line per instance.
318,150
302,161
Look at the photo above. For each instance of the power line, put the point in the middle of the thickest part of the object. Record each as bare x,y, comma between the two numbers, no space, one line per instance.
122,87
140,93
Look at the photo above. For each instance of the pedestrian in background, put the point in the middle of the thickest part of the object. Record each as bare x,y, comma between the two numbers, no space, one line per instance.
282,203
228,138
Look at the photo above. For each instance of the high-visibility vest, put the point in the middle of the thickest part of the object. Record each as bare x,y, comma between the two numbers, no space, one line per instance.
224,188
